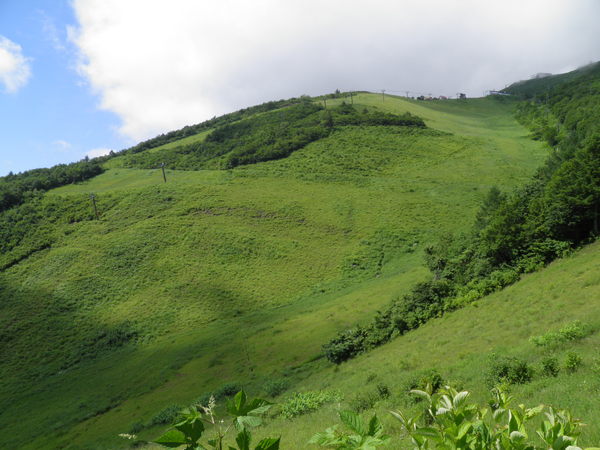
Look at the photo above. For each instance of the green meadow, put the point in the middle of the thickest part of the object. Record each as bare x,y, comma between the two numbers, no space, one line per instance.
241,275
461,346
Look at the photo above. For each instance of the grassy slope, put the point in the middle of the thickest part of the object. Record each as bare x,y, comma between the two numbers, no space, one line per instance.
460,344
279,256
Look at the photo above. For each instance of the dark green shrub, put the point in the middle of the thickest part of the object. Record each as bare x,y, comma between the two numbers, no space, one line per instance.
540,253
346,345
509,370
227,390
273,388
363,401
136,427
426,300
383,391
431,377
550,366
572,362
165,416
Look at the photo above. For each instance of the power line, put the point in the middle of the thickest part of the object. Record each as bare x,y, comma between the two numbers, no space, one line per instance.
403,93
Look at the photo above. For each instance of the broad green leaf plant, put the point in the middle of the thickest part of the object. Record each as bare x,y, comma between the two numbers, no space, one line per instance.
245,414
452,423
363,436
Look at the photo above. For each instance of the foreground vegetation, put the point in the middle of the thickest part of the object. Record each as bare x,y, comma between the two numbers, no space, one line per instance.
448,421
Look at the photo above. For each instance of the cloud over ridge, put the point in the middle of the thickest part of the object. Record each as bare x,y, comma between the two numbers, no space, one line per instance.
160,65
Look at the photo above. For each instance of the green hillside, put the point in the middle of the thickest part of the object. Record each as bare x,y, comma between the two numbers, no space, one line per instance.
462,346
234,275
541,86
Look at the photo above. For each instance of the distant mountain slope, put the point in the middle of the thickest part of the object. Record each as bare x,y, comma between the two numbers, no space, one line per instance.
237,274
540,86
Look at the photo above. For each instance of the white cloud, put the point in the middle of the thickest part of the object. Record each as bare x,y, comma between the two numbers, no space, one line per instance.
95,153
14,67
161,65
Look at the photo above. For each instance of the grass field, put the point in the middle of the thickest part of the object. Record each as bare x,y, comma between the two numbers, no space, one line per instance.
460,345
238,275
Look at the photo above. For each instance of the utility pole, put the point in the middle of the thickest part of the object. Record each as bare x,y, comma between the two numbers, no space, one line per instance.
325,102
383,95
407,92
93,198
162,166
351,99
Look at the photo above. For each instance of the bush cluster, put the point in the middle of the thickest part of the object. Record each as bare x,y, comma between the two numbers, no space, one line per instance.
550,366
165,416
304,402
572,362
571,332
365,400
508,370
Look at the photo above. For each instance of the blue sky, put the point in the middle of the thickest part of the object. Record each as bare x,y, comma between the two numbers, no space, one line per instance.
54,118
82,77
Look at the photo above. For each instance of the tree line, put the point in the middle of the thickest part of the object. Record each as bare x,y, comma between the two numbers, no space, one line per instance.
191,130
17,188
